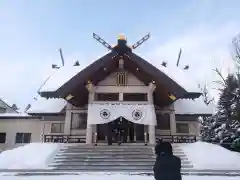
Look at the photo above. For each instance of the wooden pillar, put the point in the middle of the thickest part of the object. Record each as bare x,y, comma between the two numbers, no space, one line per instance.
152,136
68,120
135,133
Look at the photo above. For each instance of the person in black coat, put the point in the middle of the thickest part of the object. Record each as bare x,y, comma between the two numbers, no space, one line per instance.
167,166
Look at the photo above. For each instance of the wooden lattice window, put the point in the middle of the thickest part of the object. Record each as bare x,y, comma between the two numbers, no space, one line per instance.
182,127
57,127
121,78
23,138
79,121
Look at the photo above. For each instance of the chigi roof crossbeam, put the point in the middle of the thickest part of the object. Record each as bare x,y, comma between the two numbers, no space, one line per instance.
121,48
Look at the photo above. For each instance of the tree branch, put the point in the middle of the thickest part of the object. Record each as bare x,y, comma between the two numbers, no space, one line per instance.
220,74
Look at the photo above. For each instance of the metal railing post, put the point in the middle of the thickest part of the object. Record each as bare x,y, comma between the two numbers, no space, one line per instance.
95,139
145,139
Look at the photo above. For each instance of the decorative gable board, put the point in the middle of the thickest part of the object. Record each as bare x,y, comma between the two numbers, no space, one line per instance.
111,80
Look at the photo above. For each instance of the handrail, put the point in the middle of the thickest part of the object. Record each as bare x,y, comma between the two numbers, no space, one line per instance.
178,138
82,138
121,102
64,138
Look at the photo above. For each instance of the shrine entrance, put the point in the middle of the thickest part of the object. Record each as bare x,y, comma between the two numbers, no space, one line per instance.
120,130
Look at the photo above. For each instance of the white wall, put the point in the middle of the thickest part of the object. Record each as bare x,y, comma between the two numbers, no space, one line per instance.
54,118
81,132
13,126
36,127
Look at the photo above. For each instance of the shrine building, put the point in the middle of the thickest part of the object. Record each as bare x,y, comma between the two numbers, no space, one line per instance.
151,100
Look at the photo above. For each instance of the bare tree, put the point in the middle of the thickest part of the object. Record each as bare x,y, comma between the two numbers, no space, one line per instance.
222,81
236,46
205,93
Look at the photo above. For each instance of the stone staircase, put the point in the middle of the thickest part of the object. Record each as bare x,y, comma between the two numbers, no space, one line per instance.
103,158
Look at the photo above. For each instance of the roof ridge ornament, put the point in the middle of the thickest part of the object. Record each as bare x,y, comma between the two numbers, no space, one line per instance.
69,97
141,41
102,41
122,37
186,67
54,66
172,97
122,40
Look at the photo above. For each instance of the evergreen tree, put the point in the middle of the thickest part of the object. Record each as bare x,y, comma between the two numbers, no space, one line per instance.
224,126
236,126
226,103
207,123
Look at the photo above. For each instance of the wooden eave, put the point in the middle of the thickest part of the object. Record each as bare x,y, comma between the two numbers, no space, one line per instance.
108,64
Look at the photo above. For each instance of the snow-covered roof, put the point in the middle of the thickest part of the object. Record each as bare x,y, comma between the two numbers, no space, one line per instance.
62,75
4,105
196,106
43,105
65,73
181,77
13,114
177,74
17,116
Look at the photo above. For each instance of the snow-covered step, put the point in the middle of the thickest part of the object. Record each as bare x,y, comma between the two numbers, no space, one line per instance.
104,156
107,149
140,157
111,163
113,153
110,150
109,168
106,145
117,161
104,160
44,172
101,157
114,144
110,158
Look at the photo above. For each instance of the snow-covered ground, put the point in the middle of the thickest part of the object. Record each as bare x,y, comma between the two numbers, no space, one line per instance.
202,156
31,156
209,156
109,177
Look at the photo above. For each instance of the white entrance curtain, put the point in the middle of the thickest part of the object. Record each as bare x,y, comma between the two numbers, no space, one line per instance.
104,113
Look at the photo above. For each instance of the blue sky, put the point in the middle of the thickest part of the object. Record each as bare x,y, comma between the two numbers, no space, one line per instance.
32,30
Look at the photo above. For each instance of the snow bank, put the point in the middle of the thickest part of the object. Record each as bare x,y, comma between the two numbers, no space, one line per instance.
30,156
209,156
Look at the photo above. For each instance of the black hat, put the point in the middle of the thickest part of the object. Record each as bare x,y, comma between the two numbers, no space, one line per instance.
163,148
